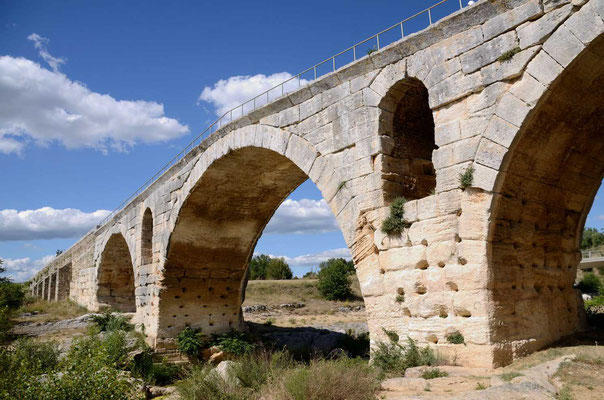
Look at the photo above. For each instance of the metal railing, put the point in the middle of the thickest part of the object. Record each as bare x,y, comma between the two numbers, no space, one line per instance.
592,254
295,82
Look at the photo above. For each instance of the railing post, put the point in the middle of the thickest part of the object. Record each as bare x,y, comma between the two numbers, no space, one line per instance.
333,59
430,15
403,31
354,52
378,41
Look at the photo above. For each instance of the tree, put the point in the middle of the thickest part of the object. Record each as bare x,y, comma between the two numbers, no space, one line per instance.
333,279
277,268
2,270
592,238
258,266
349,265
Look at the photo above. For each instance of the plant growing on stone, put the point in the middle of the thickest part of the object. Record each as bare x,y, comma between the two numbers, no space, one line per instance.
456,338
341,186
508,376
233,342
508,55
466,179
395,357
433,373
191,341
395,222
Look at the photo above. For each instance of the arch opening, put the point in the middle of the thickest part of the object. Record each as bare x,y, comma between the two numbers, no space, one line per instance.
116,276
548,182
408,120
147,238
218,227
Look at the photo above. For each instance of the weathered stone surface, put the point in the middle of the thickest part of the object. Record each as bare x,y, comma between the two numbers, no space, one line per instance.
494,259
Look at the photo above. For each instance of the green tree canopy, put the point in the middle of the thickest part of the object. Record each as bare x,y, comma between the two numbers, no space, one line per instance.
347,265
334,283
592,238
258,266
277,268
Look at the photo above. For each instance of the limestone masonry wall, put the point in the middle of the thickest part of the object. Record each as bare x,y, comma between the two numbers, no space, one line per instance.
511,89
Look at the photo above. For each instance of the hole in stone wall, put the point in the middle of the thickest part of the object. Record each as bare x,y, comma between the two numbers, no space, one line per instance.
408,166
116,276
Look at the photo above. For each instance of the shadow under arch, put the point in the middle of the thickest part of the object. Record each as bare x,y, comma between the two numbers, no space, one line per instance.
116,275
544,191
214,236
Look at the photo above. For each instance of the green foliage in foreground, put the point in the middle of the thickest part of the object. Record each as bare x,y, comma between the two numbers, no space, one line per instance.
395,357
90,370
277,376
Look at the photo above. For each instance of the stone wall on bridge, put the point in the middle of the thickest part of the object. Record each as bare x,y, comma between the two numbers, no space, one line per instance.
510,89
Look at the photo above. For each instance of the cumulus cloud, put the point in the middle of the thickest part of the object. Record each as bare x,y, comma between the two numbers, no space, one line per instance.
40,44
303,216
231,92
23,269
313,260
44,106
47,223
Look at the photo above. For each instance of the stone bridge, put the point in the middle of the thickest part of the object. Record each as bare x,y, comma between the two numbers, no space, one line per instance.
513,90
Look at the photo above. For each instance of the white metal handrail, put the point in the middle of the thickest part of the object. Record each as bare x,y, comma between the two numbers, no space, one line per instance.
259,100
592,253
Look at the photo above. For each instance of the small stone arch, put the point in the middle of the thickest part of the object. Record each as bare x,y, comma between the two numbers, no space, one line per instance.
146,245
115,277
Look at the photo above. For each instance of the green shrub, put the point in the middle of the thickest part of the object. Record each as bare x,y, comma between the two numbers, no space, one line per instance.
5,324
394,357
277,268
258,266
202,383
254,369
334,283
233,342
12,295
592,238
456,338
108,322
466,179
395,222
590,283
433,373
163,374
357,344
191,341
33,355
342,379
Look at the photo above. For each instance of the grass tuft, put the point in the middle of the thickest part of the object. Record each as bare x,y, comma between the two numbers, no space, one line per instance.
508,55
396,222
433,373
466,179
508,376
456,338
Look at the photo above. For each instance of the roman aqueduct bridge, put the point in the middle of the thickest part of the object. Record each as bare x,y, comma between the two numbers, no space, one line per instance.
513,89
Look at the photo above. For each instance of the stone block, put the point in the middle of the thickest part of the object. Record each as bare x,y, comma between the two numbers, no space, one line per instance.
363,81
544,68
528,89
563,46
447,133
509,69
511,19
488,52
536,32
586,25
490,154
334,95
289,116
512,109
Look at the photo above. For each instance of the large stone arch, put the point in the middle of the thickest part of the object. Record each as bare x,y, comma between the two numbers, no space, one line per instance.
543,191
115,276
231,194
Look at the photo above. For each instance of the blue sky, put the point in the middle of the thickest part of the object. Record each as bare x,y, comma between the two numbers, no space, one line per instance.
136,71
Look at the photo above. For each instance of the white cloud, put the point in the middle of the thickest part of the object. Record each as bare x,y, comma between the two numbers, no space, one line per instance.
47,223
231,92
40,44
313,260
303,216
601,217
22,269
44,106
